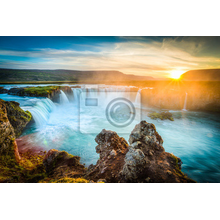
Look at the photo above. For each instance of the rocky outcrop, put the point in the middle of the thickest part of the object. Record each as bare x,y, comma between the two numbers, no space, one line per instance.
145,160
2,90
112,150
60,164
8,146
18,118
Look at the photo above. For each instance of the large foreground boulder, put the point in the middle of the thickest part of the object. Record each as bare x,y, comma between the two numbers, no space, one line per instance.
145,160
112,150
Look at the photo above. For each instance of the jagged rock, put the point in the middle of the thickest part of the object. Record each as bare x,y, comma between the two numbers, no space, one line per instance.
145,160
17,117
112,150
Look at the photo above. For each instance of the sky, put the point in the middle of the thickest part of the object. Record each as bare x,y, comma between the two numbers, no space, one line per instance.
158,57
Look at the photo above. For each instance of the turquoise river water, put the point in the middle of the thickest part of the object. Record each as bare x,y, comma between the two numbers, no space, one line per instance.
73,123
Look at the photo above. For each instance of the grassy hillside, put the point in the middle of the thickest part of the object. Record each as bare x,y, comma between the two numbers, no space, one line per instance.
39,76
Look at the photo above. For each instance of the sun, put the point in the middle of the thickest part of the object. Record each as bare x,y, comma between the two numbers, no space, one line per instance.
175,74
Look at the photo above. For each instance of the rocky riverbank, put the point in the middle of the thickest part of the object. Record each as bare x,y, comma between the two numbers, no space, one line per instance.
142,160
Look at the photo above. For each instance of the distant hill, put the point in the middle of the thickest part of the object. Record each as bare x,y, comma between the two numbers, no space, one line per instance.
202,75
24,75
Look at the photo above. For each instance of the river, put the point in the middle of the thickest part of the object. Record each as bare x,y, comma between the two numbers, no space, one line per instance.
73,123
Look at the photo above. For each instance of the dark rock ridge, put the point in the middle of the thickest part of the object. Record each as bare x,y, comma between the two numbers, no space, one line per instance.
2,90
145,160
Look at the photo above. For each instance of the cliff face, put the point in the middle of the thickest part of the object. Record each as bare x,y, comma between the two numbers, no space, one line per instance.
17,117
167,99
198,99
8,146
144,160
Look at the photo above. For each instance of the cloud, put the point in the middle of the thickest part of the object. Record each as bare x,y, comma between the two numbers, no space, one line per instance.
154,56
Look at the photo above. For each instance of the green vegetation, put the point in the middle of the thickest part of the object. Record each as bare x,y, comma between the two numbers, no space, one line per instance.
29,169
39,76
40,91
162,115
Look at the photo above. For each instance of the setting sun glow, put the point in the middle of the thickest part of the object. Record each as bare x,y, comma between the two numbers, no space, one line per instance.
176,74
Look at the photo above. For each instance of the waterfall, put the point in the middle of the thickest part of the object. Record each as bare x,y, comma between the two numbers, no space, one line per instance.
137,98
185,102
41,111
76,94
63,98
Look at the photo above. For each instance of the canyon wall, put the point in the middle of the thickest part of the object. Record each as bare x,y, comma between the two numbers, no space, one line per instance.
195,98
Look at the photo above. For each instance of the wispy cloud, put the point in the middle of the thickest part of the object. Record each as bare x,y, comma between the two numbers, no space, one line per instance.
155,57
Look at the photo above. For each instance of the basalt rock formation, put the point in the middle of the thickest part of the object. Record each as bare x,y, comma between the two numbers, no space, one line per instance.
145,160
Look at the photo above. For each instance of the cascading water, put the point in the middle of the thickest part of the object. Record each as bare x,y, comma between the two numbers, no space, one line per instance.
137,98
63,98
76,94
185,102
41,111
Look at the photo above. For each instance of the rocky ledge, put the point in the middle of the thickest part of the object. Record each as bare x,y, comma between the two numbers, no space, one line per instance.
51,92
